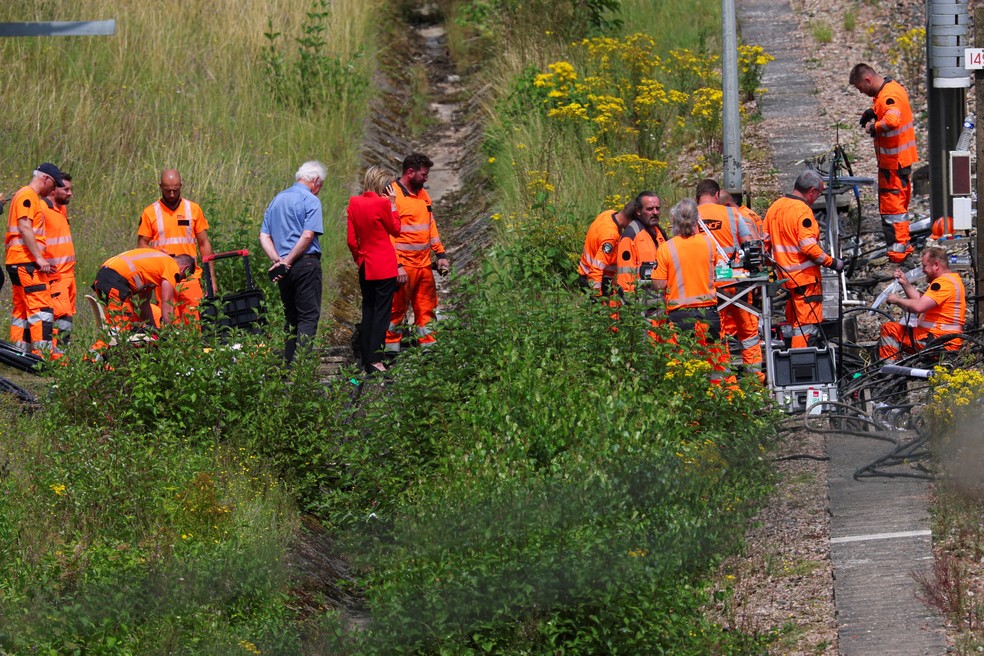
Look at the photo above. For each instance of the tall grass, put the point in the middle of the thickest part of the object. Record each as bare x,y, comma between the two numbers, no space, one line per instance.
179,85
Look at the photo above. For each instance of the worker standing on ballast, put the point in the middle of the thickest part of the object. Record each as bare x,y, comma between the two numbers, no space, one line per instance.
798,256
597,267
731,232
889,122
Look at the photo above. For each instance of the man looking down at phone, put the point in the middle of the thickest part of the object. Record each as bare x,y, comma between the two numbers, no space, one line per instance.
289,235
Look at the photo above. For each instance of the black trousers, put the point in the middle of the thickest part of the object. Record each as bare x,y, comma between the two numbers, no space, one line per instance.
300,292
377,303
686,318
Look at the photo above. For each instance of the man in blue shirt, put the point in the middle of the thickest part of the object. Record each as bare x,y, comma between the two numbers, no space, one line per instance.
289,235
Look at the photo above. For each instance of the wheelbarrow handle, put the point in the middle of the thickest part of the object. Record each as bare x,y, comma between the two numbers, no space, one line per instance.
221,256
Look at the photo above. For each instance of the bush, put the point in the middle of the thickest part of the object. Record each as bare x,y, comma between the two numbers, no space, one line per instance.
539,481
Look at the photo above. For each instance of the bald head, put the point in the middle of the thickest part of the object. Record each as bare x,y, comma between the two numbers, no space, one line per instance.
171,188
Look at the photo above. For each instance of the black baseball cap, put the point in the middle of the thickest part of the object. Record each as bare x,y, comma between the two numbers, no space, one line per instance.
50,169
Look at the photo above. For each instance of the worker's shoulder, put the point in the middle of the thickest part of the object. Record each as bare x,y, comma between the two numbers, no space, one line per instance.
712,210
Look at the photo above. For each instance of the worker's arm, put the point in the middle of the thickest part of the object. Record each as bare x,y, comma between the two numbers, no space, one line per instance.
659,285
143,242
26,229
205,248
167,302
916,305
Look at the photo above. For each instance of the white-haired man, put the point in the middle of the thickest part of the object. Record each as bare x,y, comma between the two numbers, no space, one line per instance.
289,235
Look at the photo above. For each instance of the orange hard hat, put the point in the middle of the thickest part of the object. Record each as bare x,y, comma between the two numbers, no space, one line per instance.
942,226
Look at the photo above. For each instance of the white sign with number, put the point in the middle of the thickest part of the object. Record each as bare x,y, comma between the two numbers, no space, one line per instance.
974,59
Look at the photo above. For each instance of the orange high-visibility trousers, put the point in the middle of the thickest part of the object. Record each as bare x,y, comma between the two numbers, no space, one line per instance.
31,319
895,339
745,327
420,293
63,294
187,297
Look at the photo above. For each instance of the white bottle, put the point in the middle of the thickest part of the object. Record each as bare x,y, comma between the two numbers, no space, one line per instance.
967,134
912,275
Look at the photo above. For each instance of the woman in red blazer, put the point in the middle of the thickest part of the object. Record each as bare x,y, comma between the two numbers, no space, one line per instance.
372,225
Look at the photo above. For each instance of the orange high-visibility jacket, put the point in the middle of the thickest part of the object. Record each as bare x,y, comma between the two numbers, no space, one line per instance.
636,246
59,249
598,256
418,230
951,305
174,232
144,268
795,237
895,134
687,266
25,204
756,226
726,226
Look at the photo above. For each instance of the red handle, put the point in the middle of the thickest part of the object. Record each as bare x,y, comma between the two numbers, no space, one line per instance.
222,256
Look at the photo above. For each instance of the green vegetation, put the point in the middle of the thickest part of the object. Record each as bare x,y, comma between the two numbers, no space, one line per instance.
206,88
850,20
535,483
955,416
821,31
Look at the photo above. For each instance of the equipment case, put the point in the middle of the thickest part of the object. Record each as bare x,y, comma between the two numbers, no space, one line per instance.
802,377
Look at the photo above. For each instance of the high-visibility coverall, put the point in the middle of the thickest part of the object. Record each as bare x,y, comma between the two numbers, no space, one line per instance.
60,252
596,268
947,318
636,246
32,318
686,264
796,250
134,272
730,231
175,232
895,150
418,237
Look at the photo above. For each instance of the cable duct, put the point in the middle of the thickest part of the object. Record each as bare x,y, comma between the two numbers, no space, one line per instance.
947,35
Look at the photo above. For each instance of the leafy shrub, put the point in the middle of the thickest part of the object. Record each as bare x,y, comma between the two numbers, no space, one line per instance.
539,481
752,61
311,77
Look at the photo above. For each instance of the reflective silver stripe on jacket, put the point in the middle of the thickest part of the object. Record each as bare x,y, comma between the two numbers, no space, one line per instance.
161,240
678,278
958,299
131,262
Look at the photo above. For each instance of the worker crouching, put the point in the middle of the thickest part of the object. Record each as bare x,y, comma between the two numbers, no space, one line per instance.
126,282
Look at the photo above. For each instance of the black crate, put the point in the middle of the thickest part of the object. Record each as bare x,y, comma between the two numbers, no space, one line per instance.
243,310
802,366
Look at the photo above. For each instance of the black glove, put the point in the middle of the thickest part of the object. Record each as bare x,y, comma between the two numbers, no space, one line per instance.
838,264
868,116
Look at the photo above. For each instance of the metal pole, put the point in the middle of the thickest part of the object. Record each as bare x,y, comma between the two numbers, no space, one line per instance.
979,135
60,28
731,180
